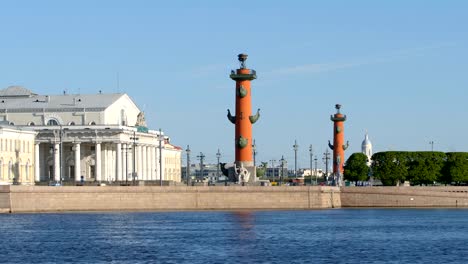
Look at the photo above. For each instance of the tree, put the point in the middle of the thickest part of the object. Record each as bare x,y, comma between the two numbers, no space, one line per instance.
425,167
390,167
456,168
356,168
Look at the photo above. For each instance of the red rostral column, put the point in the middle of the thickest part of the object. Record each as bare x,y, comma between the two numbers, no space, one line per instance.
243,118
338,146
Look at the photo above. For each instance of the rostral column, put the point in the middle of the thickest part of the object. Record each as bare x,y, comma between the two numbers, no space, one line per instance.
244,119
338,146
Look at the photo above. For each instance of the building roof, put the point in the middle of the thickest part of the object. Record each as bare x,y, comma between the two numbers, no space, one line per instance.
16,91
366,141
16,97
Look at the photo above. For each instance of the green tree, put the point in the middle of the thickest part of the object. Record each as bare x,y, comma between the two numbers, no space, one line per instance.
456,168
390,167
425,167
356,168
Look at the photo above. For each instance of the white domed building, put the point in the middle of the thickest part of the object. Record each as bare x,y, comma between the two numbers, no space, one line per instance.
366,148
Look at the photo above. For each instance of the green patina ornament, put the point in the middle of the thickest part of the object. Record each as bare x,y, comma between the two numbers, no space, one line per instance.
242,92
242,142
255,117
346,146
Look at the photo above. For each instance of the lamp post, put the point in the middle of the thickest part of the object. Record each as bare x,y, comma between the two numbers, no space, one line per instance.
315,172
432,145
282,170
188,164
218,156
201,157
311,155
295,147
254,149
134,174
325,159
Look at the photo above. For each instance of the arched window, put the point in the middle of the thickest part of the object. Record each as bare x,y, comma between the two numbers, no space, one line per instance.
123,117
52,122
71,123
12,124
31,124
92,123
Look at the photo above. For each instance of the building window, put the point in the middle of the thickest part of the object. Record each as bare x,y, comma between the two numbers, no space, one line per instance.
92,123
71,123
31,124
1,169
52,122
123,117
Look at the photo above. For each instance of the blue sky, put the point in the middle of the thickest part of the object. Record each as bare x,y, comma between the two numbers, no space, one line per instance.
399,68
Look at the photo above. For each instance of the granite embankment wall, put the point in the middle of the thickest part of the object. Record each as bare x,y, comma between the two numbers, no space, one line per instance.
17,199
439,196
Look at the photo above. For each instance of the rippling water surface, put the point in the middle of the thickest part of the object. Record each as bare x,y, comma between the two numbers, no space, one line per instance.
322,236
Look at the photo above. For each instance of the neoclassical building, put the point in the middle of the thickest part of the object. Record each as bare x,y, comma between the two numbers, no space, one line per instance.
90,137
16,155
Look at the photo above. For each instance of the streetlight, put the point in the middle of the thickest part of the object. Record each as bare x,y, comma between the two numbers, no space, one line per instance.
218,156
134,174
295,147
311,155
282,170
126,149
201,157
315,172
188,164
432,145
254,149
326,157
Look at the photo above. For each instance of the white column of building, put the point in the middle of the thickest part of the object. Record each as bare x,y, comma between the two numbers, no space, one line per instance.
37,172
156,162
98,161
56,162
77,162
123,165
138,161
144,173
105,162
151,162
119,161
129,164
163,164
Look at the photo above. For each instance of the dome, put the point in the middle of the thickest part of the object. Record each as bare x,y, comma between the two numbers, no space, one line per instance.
16,91
366,141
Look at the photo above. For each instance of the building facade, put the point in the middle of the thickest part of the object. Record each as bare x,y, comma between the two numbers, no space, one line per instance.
90,137
16,155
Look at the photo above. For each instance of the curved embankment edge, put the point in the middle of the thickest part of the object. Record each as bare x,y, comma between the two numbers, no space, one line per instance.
18,199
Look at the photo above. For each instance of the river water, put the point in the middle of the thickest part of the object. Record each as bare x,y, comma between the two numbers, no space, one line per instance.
319,236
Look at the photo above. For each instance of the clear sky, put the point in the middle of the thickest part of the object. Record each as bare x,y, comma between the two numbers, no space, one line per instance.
399,68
